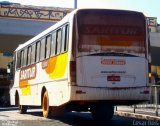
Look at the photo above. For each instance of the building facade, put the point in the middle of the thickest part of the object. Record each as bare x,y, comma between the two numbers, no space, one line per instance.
154,32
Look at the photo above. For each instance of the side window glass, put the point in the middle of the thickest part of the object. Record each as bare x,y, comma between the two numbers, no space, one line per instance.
48,46
18,64
65,31
42,56
38,44
58,41
53,44
33,54
22,57
67,38
25,57
29,55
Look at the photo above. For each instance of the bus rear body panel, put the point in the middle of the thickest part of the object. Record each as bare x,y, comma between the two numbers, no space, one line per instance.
111,79
111,57
112,72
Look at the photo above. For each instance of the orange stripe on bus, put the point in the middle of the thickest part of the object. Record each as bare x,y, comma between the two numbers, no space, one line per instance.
120,41
57,66
51,65
23,84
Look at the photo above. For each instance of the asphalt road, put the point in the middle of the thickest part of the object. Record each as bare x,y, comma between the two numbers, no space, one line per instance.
11,117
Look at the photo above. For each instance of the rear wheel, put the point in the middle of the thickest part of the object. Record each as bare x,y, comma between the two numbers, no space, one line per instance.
102,112
45,105
22,109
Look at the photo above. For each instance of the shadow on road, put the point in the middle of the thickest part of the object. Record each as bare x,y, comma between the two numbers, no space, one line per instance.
8,108
70,119
85,119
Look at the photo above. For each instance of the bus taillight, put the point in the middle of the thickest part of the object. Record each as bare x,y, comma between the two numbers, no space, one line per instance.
73,71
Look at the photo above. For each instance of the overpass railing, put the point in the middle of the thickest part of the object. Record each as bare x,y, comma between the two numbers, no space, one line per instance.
152,106
154,103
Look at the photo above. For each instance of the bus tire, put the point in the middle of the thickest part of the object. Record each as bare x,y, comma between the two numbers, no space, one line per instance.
22,109
102,113
45,105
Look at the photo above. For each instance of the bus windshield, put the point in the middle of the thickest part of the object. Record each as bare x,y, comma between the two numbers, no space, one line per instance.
111,31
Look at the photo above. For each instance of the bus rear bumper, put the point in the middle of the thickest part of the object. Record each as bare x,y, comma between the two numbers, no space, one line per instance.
111,94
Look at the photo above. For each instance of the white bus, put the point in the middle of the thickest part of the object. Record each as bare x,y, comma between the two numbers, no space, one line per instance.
91,60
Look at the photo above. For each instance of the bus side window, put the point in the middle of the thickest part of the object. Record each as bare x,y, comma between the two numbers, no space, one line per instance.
65,31
58,41
67,38
29,55
18,64
48,46
25,57
33,54
53,44
38,44
22,58
42,53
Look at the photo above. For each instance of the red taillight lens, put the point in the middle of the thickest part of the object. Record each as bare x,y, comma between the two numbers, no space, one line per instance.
73,71
113,78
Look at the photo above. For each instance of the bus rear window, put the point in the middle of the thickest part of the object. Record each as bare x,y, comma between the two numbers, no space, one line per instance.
111,31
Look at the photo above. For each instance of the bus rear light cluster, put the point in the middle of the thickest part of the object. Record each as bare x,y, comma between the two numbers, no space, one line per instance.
80,92
144,92
149,73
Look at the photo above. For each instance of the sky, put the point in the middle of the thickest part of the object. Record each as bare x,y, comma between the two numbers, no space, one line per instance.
151,8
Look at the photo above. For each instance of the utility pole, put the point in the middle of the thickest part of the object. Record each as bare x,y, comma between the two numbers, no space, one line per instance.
75,4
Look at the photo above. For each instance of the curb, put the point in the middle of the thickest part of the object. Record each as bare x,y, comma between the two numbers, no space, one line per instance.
136,115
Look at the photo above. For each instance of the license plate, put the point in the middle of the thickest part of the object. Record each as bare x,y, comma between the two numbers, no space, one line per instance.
113,78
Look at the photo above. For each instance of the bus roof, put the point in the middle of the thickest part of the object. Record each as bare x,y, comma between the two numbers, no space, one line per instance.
66,19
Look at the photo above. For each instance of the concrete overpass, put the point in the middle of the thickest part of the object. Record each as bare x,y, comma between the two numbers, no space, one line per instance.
14,32
19,23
